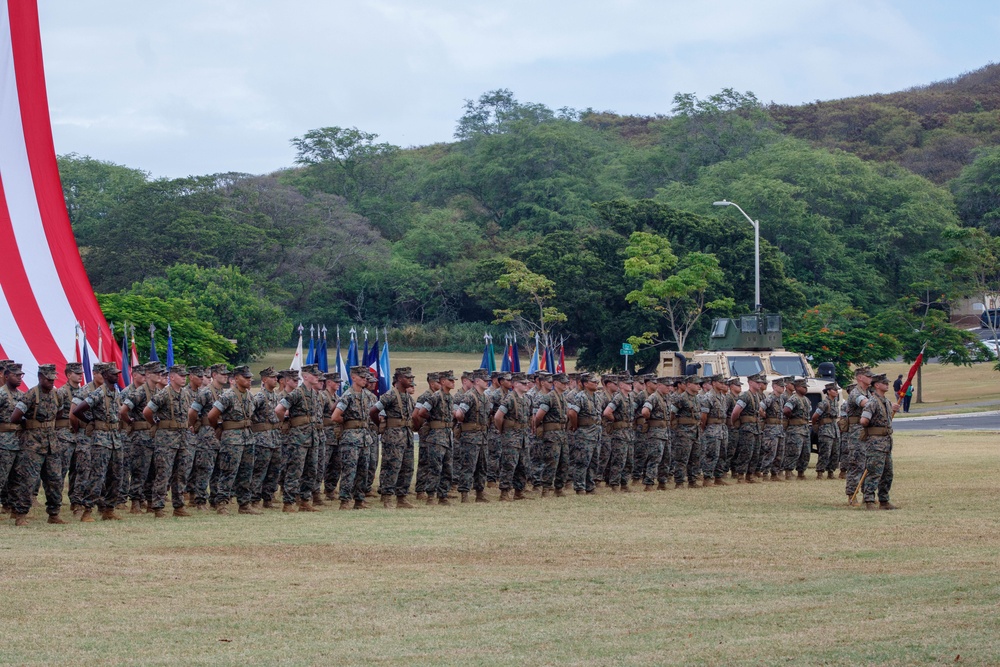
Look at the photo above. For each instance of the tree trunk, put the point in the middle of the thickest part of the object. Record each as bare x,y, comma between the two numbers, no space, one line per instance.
920,385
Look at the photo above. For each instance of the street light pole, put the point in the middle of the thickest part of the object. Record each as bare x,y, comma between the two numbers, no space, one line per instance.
756,250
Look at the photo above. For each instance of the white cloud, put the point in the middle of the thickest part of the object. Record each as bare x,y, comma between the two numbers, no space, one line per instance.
196,87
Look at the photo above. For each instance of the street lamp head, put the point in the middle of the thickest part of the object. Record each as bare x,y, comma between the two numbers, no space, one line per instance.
722,203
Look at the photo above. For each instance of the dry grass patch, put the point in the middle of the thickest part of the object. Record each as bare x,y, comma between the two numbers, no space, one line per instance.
739,575
948,385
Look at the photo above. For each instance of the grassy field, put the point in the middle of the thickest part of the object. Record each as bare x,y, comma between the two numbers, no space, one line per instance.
951,385
761,574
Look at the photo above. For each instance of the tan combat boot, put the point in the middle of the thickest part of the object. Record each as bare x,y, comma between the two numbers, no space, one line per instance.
819,475
802,475
291,508
521,495
403,504
581,492
78,512
720,482
55,519
692,484
306,506
843,474
679,485
87,516
707,482
465,496
829,474
181,512
887,506
245,508
751,479
504,495
21,519
360,505
318,499
545,492
161,513
625,488
108,514
421,496
870,505
387,501
136,507
661,486
788,474
481,497
491,485
344,505
559,493
444,501
269,504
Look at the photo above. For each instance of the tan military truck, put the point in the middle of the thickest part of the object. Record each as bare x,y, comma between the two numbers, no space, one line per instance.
744,346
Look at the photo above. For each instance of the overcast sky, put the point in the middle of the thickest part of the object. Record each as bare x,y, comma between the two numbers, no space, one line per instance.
202,86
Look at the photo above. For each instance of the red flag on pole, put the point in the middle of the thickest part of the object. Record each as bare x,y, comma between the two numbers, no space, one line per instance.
913,371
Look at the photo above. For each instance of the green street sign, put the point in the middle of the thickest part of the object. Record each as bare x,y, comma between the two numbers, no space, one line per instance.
627,349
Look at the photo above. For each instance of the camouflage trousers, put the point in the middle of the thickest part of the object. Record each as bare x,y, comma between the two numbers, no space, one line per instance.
796,437
621,440
470,461
140,470
687,455
68,438
878,464
353,471
164,463
493,449
731,447
103,478
713,450
603,459
855,460
555,459
843,449
747,451
301,470
183,465
805,452
826,449
30,466
79,466
772,449
330,470
653,456
7,460
322,458
536,460
586,442
374,449
666,468
439,466
639,446
397,462
513,468
216,468
266,473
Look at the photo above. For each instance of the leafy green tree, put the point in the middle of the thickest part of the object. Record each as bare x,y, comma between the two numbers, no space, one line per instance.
977,191
677,290
227,299
495,112
93,188
195,339
531,290
841,334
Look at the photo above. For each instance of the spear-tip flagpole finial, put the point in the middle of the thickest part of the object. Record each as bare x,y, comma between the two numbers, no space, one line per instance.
169,330
301,328
366,333
324,331
152,329
312,330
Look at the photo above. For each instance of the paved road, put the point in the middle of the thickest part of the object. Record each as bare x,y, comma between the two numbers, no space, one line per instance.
974,421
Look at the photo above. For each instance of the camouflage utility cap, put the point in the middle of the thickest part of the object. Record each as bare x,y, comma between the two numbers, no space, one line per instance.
47,371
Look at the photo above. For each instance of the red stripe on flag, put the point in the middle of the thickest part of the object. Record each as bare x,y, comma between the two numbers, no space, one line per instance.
17,289
30,74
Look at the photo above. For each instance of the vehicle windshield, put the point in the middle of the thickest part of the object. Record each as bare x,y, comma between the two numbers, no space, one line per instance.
788,366
745,366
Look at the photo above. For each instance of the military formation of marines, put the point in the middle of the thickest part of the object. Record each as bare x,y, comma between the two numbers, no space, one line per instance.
203,438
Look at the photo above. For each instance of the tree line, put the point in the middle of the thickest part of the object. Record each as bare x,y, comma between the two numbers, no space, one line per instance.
594,225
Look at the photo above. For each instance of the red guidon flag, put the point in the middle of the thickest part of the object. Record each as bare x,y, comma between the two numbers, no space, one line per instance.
44,290
913,371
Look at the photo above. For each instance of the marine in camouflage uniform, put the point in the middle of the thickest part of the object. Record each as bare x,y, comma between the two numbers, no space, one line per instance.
687,416
876,438
495,394
551,418
139,439
166,412
230,418
666,468
715,433
102,479
10,443
41,454
656,413
207,455
584,414
472,412
735,389
640,393
438,413
180,482
772,448
620,411
374,441
64,425
824,419
138,380
422,431
80,463
397,406
602,458
353,413
264,425
513,420
329,464
747,411
843,430
797,411
857,399
305,418
534,453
